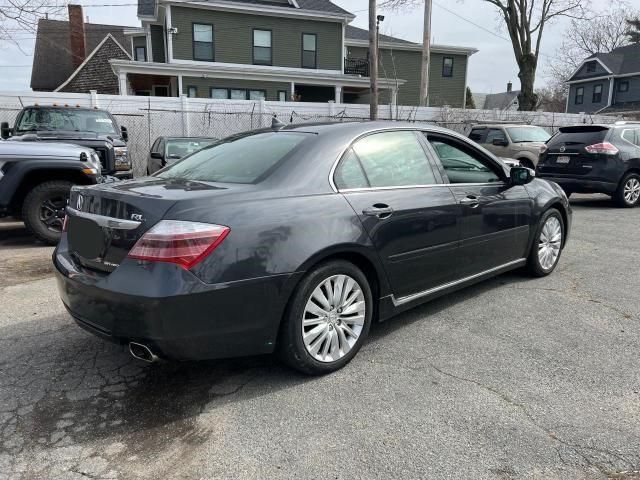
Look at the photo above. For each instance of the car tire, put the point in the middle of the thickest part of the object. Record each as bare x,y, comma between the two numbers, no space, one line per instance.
317,339
525,162
628,193
541,264
38,210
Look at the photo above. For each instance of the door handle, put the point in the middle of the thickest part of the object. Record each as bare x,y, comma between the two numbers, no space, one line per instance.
470,201
379,210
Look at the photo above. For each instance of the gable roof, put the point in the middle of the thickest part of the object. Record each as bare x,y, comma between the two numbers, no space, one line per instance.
109,48
621,60
355,33
148,7
52,63
500,101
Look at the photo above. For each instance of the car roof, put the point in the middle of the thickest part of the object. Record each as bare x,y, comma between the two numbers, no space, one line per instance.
357,128
507,125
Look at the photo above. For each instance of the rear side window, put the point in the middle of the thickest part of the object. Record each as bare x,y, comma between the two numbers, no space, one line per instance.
394,159
349,173
632,136
239,159
477,134
583,135
496,134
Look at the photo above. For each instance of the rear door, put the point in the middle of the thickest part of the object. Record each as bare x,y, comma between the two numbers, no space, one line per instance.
496,217
566,153
499,135
411,217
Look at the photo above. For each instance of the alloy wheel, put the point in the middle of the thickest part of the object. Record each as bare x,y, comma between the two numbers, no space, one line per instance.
333,318
550,243
52,212
632,191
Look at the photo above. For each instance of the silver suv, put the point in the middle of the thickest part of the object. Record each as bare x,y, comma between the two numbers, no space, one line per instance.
521,142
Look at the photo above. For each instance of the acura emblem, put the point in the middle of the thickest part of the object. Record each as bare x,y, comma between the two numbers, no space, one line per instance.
79,202
562,149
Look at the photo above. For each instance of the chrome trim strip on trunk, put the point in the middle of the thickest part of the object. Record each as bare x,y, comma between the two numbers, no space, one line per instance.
108,222
410,298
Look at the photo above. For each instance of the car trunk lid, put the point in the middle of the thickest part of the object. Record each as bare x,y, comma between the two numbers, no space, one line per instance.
105,221
566,152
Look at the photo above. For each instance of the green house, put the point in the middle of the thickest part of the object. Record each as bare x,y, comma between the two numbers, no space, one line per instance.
279,50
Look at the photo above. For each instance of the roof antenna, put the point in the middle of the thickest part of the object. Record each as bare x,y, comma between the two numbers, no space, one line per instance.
276,124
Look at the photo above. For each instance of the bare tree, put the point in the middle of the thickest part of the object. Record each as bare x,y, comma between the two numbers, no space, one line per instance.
526,21
600,34
22,15
633,31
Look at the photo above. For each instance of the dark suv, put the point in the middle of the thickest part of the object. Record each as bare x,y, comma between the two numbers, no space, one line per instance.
88,127
595,159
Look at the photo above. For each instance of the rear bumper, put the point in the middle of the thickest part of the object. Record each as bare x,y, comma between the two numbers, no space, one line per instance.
581,185
171,311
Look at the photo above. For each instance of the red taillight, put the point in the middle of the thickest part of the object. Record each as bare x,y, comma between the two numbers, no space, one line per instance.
182,243
604,148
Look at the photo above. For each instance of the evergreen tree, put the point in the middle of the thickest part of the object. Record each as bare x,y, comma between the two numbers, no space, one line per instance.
634,30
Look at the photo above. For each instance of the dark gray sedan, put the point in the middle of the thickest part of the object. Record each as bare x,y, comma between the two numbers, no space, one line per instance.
168,150
296,239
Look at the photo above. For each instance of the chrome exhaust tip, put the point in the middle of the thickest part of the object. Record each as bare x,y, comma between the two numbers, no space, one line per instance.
142,352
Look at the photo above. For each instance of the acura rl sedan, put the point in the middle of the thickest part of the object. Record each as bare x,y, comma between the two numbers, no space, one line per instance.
295,239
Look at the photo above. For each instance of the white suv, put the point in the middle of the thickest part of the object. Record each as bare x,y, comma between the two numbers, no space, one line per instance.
521,142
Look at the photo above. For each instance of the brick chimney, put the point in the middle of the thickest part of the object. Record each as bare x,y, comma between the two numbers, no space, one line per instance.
76,35
509,87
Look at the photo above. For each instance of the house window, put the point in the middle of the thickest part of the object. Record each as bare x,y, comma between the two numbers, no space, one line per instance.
623,86
203,42
141,54
579,96
219,93
447,67
262,47
309,50
282,95
597,93
192,91
236,94
257,95
591,67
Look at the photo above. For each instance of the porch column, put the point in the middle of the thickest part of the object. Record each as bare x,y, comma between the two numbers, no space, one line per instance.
180,91
122,83
338,96
293,91
394,102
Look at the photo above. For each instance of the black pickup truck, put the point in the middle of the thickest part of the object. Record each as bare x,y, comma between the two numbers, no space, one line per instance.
35,181
88,127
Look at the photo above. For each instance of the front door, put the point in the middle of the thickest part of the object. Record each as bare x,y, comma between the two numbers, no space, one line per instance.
496,219
410,216
497,142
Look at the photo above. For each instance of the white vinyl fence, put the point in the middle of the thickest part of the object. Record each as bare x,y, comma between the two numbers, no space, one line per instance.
147,118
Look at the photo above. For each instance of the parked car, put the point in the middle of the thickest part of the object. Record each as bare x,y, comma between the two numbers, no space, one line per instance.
521,142
596,159
510,162
35,180
88,127
167,150
296,239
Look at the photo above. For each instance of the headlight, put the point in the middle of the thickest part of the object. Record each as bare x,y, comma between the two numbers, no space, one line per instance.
122,158
92,161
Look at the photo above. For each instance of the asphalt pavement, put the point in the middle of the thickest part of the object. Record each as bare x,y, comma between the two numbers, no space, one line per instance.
515,378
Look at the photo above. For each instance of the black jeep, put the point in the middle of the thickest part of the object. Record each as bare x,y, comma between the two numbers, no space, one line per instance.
35,181
89,127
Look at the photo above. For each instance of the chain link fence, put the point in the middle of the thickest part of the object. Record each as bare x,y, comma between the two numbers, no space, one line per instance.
148,118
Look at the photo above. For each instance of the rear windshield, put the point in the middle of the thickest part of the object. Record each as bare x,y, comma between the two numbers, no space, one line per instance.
580,135
65,119
240,159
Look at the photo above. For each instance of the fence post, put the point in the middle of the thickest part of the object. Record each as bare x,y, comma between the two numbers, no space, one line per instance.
184,106
332,108
95,103
262,109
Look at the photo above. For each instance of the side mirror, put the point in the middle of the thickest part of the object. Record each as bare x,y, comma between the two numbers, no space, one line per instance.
157,155
521,175
125,133
500,143
5,130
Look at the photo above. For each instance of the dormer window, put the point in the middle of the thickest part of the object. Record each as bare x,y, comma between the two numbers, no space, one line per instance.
591,67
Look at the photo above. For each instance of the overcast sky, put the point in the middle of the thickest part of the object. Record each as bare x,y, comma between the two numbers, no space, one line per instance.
453,24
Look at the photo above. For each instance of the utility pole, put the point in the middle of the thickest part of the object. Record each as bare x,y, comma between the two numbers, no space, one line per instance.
373,59
426,54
